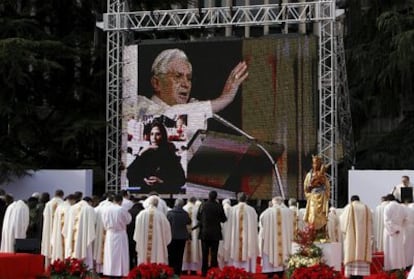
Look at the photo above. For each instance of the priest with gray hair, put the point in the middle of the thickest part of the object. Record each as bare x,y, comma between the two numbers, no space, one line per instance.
275,236
152,234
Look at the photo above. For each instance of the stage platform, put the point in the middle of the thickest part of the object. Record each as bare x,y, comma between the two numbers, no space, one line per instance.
21,266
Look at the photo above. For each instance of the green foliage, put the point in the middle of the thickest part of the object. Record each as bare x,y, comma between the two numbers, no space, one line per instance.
380,60
52,80
52,105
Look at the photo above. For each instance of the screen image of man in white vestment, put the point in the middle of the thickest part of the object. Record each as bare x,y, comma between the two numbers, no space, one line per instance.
171,83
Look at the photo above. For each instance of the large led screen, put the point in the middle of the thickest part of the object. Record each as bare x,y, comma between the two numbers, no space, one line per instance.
177,140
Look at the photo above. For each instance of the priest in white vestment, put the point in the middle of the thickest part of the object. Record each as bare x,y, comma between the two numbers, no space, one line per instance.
356,224
409,235
152,234
57,239
395,217
126,202
275,236
293,206
99,243
15,224
115,218
192,250
242,235
379,225
162,205
223,253
80,231
333,227
48,217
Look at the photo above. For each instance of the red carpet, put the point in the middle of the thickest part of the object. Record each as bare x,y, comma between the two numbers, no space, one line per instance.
30,266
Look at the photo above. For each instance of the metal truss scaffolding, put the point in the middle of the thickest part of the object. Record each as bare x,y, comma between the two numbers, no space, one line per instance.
118,22
327,98
114,44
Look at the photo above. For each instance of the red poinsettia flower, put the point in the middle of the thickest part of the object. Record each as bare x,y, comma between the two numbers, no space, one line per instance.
228,272
319,271
151,271
68,267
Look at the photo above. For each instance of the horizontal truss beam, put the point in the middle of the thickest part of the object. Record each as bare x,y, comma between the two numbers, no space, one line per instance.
214,17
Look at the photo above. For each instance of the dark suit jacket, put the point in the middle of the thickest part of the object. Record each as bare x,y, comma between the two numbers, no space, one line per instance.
135,209
179,220
210,216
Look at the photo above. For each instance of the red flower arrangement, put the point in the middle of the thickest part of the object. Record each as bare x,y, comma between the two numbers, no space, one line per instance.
318,271
228,272
69,268
398,274
306,237
151,271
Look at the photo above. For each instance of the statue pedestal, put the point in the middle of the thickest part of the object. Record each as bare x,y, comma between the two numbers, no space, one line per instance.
331,253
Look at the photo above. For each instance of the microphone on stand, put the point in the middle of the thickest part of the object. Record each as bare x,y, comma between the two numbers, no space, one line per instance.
254,140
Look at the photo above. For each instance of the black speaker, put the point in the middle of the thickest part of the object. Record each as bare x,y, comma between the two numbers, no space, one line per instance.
27,245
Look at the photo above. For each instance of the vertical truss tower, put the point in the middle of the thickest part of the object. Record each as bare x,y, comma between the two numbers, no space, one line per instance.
118,22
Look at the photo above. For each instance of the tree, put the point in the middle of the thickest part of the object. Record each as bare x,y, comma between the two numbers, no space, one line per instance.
52,104
52,78
380,46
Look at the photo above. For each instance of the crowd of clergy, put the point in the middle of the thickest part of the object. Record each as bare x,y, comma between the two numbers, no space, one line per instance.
119,231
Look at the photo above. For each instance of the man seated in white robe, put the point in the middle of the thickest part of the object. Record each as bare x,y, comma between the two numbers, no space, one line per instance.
115,218
15,224
275,236
356,224
242,235
48,217
80,230
192,250
395,217
405,183
152,234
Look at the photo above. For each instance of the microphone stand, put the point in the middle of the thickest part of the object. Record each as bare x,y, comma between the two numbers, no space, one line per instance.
276,175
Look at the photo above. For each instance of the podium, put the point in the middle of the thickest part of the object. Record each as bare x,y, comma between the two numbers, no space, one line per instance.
231,164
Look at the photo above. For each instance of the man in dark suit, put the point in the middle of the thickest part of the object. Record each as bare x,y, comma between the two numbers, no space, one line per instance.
179,220
210,217
134,211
